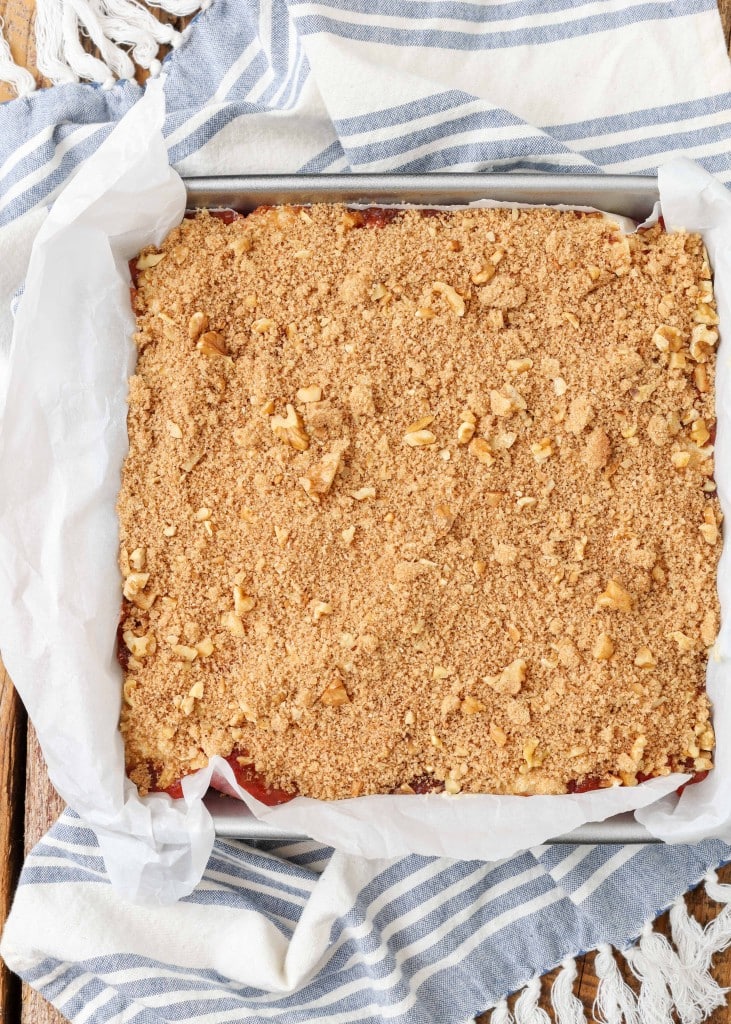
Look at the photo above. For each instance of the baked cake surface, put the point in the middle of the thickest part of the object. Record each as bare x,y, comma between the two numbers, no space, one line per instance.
418,500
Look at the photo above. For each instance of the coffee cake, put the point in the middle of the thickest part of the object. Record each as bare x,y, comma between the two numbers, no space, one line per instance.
420,500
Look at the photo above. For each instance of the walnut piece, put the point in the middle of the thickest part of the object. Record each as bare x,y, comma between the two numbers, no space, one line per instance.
454,299
603,647
291,429
419,438
211,344
197,325
615,598
319,478
511,678
334,695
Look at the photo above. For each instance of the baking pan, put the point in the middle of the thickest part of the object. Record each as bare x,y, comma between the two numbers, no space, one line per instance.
624,195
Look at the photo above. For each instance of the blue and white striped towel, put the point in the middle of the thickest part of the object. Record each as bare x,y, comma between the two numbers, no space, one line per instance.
295,933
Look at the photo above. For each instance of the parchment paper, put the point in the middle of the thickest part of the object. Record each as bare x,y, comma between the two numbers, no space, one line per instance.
62,442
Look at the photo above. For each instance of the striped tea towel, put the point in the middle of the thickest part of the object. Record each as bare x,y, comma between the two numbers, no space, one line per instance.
294,932
375,85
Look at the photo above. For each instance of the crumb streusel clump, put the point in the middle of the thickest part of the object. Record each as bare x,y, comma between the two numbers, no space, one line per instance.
420,495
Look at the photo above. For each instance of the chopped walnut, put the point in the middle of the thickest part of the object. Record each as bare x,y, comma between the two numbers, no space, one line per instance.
419,438
139,646
532,755
423,421
484,273
603,647
453,298
197,325
205,648
185,652
290,429
517,366
644,658
137,559
615,598
709,532
480,448
498,735
334,695
702,343
319,478
667,338
506,401
211,344
465,433
700,378
243,603
705,314
511,679
135,582
542,450
313,393
699,432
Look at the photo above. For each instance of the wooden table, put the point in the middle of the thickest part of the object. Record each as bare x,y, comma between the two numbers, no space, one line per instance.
28,803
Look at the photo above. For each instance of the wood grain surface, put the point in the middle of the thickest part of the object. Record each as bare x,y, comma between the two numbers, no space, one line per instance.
12,764
24,786
43,805
19,24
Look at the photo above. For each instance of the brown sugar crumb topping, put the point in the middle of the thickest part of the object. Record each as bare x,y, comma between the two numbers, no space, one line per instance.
420,502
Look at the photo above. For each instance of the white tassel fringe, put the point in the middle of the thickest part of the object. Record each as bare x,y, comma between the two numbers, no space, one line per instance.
718,931
180,8
668,984
527,1010
688,937
501,1014
615,1001
567,1009
124,32
50,57
675,980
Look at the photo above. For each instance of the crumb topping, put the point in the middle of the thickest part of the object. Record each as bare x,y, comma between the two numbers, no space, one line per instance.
420,495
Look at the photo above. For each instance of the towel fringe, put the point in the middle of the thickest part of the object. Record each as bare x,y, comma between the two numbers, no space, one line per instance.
615,1002
675,983
718,931
179,8
50,59
21,80
527,1010
124,32
668,984
501,1014
567,1009
689,937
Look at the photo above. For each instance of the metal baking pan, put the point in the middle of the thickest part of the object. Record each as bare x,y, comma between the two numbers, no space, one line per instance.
625,195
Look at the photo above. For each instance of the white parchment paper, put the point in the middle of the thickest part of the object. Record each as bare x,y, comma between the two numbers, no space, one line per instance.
62,443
